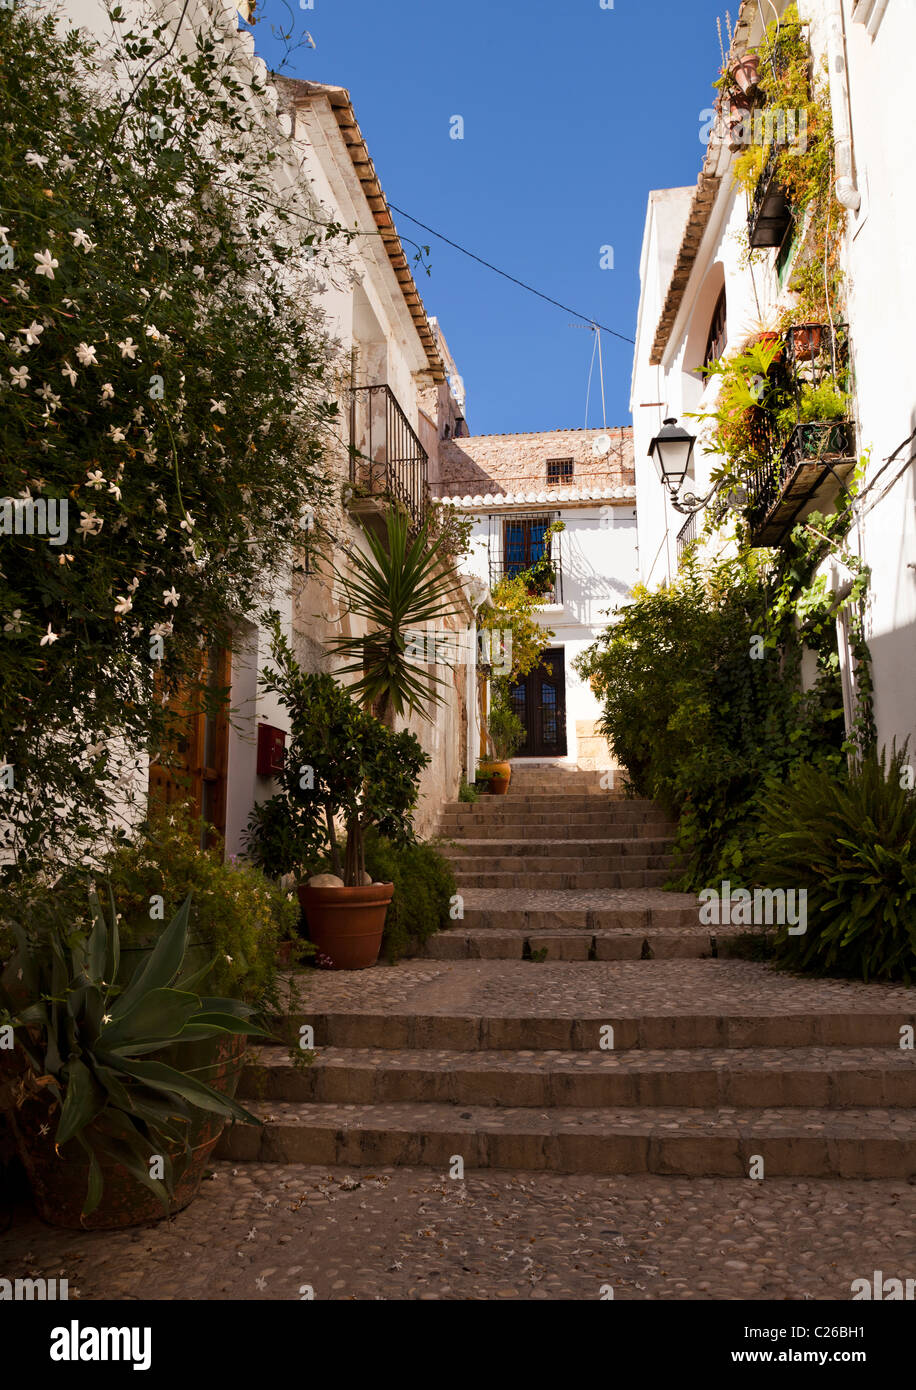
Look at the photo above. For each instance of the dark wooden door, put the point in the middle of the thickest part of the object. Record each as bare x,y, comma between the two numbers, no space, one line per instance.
539,700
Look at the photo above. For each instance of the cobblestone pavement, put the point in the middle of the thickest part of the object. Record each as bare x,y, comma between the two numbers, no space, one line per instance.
270,1232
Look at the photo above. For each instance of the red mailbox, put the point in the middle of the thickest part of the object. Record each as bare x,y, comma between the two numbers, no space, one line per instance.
271,750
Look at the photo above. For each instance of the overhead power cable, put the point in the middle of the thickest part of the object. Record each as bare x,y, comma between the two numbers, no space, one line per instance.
506,276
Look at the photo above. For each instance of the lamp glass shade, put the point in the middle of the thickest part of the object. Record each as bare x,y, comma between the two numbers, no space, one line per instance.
672,450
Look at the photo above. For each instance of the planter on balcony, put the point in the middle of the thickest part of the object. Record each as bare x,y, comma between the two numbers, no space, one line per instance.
746,72
817,452
771,215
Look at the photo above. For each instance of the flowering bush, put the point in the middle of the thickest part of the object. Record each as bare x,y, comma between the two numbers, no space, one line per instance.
163,380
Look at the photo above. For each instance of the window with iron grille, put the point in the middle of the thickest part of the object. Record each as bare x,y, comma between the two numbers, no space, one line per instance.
559,470
715,343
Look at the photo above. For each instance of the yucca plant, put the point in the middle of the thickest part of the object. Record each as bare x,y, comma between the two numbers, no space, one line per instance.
403,586
88,1045
850,842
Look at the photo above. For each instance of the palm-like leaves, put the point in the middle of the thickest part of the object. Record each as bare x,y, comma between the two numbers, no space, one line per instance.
403,586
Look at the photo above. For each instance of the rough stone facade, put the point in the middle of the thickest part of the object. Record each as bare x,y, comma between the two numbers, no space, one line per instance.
504,463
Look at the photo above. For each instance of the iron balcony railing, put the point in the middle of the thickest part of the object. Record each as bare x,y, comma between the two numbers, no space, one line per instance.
687,534
517,544
386,457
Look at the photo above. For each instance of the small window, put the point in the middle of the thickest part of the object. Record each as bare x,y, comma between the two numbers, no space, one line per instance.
559,470
715,344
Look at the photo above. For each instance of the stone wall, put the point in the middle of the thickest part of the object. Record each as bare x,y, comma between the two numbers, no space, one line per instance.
498,463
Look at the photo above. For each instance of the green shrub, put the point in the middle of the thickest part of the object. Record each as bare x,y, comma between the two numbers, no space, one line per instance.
467,793
849,840
424,885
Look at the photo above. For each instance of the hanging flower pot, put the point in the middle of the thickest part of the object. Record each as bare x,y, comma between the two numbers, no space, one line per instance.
806,341
746,72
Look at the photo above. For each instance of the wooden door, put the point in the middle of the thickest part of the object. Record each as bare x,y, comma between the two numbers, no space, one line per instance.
193,770
539,700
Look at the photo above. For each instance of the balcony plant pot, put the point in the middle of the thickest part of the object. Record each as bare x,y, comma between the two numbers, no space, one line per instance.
500,775
346,924
806,341
747,72
58,1178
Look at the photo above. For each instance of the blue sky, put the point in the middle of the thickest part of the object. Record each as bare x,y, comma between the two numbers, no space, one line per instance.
572,113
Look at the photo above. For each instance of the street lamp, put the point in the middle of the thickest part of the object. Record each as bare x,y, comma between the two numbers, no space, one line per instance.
672,450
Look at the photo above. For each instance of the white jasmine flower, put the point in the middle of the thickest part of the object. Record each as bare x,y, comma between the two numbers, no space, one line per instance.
162,629
38,160
107,392
123,605
185,246
164,293
153,332
47,264
17,346
160,505
49,638
14,625
67,370
32,333
86,355
65,165
20,376
21,288
65,560
188,523
199,271
81,239
117,434
115,491
161,534
169,596
133,586
90,524
106,1018
96,478
217,406
48,395
128,348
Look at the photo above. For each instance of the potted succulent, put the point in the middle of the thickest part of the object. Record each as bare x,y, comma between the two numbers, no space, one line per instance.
344,769
505,733
110,1133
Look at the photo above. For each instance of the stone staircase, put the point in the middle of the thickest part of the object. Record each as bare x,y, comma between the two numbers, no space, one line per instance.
495,1046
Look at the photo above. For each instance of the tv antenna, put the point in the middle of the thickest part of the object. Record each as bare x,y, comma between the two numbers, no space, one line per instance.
593,328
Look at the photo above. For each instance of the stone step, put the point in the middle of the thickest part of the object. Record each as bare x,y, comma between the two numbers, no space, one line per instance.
855,1143
550,850
627,913
536,864
751,1078
548,802
525,877
458,832
570,943
466,1032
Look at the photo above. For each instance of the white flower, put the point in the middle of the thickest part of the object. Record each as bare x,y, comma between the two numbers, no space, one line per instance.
21,288
48,395
229,960
106,1018
65,560
81,239
117,434
133,586
96,478
107,392
49,638
90,524
65,165
217,406
115,491
14,625
164,293
17,346
20,376
32,333
188,523
86,355
38,160
67,370
47,264
185,246
123,605
162,629
153,332
160,505
161,534
199,271
169,596
128,348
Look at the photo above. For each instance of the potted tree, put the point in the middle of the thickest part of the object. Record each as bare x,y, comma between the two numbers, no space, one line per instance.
506,734
111,1130
344,770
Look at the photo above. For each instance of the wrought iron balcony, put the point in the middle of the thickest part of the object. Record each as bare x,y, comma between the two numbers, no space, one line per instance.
516,546
779,491
387,459
687,535
770,216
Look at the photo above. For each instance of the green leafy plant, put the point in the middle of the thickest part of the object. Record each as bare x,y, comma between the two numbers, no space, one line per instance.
92,1049
506,731
342,765
468,793
424,888
404,585
848,839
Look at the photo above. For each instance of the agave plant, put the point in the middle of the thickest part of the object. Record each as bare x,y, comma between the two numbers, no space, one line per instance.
89,1044
401,587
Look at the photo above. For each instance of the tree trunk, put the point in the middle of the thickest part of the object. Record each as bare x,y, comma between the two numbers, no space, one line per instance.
333,846
354,854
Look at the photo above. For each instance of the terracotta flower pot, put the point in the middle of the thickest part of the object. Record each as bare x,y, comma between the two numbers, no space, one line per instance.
806,342
59,1179
346,924
746,73
502,776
